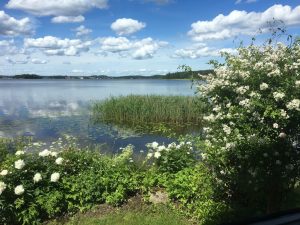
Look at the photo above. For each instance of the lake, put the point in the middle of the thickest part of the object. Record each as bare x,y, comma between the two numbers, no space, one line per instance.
48,109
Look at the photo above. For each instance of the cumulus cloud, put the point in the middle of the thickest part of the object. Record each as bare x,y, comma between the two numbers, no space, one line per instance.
55,46
7,47
243,23
126,26
137,49
200,50
67,19
39,61
56,7
9,26
82,30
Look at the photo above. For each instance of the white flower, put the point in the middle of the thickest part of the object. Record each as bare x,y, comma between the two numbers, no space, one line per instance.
278,95
149,155
2,187
55,177
278,162
294,104
263,86
209,118
242,90
157,155
154,144
4,172
245,103
282,135
275,125
161,148
19,153
45,153
284,114
297,83
226,129
19,190
59,161
19,164
37,178
54,154
203,156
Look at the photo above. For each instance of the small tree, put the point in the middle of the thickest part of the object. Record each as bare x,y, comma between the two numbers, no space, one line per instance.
251,138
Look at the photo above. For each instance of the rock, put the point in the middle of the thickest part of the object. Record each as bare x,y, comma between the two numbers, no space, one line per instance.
158,197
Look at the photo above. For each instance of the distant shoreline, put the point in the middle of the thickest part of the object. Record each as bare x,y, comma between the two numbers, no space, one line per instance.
169,76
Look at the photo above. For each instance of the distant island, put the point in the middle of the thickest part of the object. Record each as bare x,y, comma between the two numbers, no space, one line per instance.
169,76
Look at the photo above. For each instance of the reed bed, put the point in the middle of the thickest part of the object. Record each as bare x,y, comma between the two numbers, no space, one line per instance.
139,110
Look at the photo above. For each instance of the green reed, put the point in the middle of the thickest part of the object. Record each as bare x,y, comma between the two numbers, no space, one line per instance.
139,110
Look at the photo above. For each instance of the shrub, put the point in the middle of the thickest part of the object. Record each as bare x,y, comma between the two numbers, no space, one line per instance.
254,99
171,158
38,186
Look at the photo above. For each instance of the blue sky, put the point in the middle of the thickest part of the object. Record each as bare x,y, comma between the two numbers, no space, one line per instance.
126,37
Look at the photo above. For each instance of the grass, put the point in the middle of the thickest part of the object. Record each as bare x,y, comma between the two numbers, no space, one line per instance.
135,212
141,110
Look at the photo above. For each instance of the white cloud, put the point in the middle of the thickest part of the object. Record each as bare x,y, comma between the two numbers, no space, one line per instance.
243,23
137,49
9,26
7,47
39,61
126,26
200,50
55,46
56,7
67,19
82,30
115,45
13,62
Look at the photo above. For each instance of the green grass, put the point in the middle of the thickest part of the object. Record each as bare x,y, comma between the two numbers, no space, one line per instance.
146,215
139,110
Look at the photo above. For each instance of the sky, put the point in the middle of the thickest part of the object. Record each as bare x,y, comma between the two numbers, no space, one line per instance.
130,37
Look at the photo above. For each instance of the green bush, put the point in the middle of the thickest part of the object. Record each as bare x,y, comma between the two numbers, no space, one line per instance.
253,124
38,186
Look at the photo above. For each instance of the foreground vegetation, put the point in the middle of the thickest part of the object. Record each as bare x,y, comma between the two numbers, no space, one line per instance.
135,212
139,110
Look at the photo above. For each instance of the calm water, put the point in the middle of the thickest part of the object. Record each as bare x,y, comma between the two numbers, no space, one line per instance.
47,109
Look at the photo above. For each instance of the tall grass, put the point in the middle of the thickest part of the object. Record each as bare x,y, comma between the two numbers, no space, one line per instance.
139,110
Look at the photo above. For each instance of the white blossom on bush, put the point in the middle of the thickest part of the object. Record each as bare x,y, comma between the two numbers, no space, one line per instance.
264,86
59,161
19,190
54,154
4,172
37,178
54,177
19,164
19,153
2,187
294,104
45,153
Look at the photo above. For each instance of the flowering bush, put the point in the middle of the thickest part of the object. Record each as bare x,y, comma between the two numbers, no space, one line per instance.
171,158
251,145
38,185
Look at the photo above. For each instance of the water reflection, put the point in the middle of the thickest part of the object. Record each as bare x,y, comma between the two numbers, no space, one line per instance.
47,109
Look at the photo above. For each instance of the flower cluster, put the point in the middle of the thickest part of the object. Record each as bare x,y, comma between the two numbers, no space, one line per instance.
172,157
20,164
